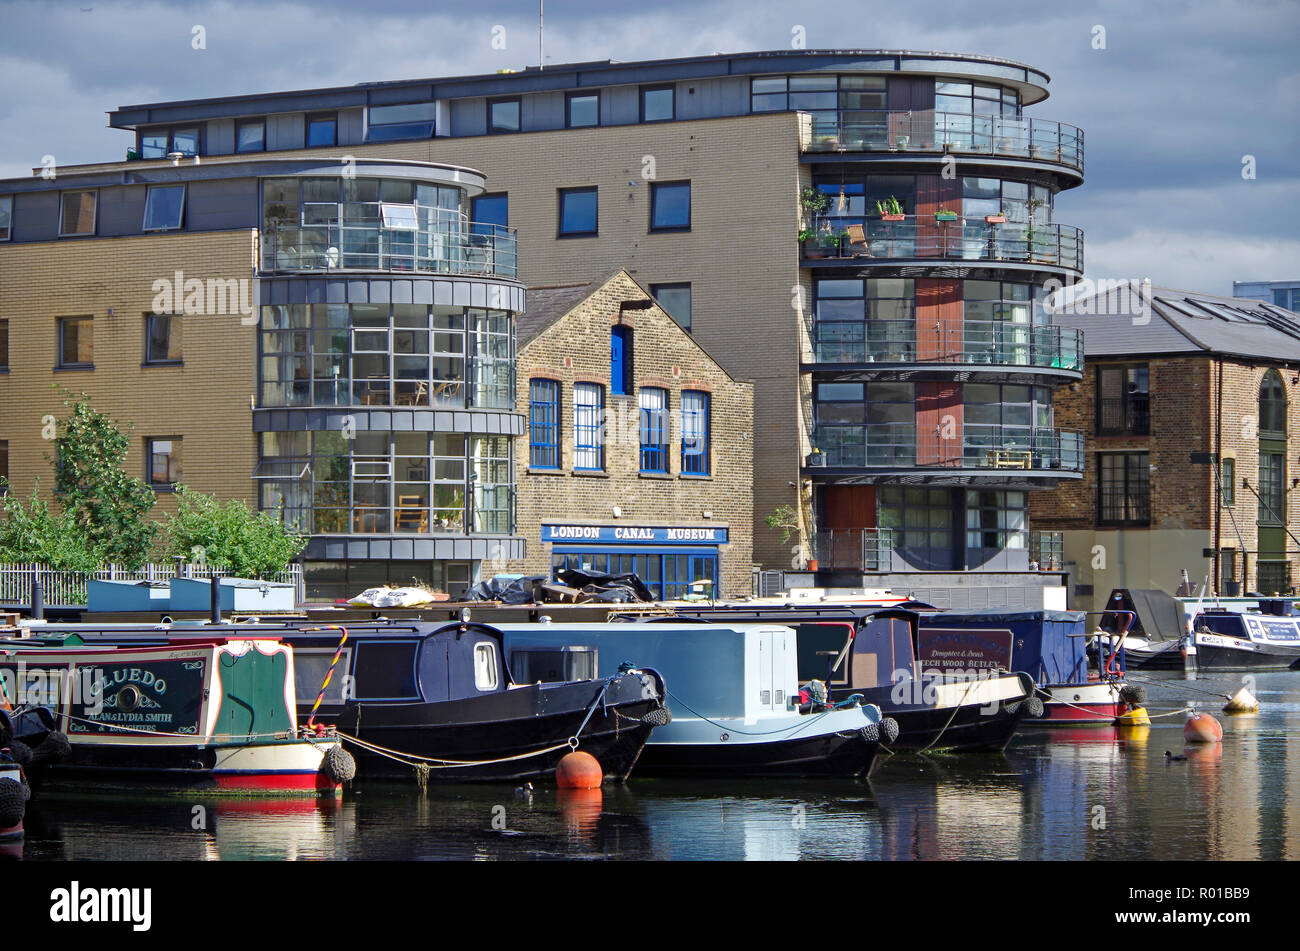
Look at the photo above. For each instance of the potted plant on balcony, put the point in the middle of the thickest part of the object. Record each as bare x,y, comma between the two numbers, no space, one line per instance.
816,458
806,235
999,219
814,201
945,214
890,209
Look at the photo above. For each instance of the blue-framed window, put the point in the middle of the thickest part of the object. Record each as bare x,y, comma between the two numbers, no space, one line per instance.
670,206
695,433
654,429
620,360
581,109
668,573
323,130
544,424
658,103
503,115
578,214
676,300
588,426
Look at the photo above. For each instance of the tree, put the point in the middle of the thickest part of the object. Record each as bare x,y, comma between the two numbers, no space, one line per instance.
33,533
230,536
784,519
108,507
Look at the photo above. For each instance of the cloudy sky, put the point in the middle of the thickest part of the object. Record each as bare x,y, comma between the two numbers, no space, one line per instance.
1182,91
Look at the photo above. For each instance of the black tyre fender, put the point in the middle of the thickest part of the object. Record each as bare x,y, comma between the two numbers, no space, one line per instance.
659,717
339,765
888,730
13,803
53,749
870,732
1133,695
1034,708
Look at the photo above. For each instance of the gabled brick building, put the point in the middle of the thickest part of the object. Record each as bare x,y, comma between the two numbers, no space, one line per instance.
1191,452
640,446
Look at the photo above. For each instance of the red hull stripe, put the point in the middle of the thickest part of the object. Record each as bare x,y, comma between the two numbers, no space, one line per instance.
273,780
1099,712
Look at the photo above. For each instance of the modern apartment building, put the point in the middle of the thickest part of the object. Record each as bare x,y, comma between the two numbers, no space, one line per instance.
902,360
363,384
1280,293
1189,413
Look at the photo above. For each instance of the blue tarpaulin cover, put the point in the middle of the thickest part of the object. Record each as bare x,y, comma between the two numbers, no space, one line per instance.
1041,646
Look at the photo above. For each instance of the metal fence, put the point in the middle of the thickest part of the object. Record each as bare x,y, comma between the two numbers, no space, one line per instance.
70,587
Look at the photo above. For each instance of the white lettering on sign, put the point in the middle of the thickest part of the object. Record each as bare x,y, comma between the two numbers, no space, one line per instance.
574,531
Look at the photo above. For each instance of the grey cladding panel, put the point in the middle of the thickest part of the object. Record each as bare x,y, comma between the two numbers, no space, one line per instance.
221,137
620,105
544,110
121,211
36,216
713,97
351,126
221,205
469,116
286,132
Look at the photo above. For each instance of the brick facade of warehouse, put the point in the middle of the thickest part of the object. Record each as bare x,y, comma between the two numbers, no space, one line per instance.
568,509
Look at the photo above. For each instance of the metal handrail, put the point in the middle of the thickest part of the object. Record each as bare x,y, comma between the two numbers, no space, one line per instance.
987,342
976,446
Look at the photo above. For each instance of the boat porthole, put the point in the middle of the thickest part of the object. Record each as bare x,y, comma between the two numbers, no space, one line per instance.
725,737
128,698
1076,696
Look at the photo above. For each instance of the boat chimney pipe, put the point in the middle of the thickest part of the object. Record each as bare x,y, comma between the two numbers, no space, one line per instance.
216,600
38,599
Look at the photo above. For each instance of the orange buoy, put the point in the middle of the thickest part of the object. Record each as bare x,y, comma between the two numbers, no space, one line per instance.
1202,728
579,770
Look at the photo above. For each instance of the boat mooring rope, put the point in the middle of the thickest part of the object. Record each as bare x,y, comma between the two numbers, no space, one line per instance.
722,726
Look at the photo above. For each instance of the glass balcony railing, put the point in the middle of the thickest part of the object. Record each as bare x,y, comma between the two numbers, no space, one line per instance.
900,445
963,239
983,343
373,238
863,130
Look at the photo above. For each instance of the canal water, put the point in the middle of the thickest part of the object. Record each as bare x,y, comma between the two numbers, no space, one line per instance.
1076,793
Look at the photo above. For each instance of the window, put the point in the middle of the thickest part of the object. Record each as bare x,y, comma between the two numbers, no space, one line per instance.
581,109
76,342
390,123
654,430
503,115
588,426
968,99
1272,501
164,207
4,345
250,135
620,360
164,462
491,209
578,215
1272,404
1123,401
485,666
159,143
695,433
676,300
1123,488
162,338
657,104
995,522
77,213
544,424
6,217
322,130
670,206
1228,480
924,525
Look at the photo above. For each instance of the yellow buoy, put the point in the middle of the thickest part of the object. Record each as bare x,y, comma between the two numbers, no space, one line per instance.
1243,701
1136,716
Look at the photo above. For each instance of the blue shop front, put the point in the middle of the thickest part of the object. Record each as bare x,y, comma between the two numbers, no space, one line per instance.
668,559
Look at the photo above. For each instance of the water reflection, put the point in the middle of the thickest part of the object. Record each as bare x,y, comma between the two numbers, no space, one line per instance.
1084,793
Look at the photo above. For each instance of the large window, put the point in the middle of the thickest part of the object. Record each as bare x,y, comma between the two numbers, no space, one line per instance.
250,135
164,207
1272,494
865,424
77,213
322,130
410,121
995,522
973,99
588,426
6,217
676,300
1228,480
923,524
1123,400
76,342
670,206
1123,488
578,212
1272,404
544,424
658,103
871,321
164,457
490,211
654,429
162,339
581,109
159,143
695,433
490,477
503,115
620,360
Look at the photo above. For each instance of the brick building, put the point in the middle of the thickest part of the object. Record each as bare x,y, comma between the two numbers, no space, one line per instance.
1191,434
640,446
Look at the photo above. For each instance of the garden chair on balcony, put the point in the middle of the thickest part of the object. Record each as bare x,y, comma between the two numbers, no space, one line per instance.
856,245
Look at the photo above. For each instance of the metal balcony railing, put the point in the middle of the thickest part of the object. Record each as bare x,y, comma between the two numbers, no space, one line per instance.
900,445
868,238
982,343
1047,550
1016,137
856,549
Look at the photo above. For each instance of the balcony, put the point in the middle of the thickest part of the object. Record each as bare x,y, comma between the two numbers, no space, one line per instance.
1013,137
868,240
374,237
856,549
1007,450
972,343
1047,550
884,550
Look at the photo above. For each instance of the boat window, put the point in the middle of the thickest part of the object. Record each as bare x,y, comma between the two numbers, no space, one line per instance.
385,671
309,668
485,666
